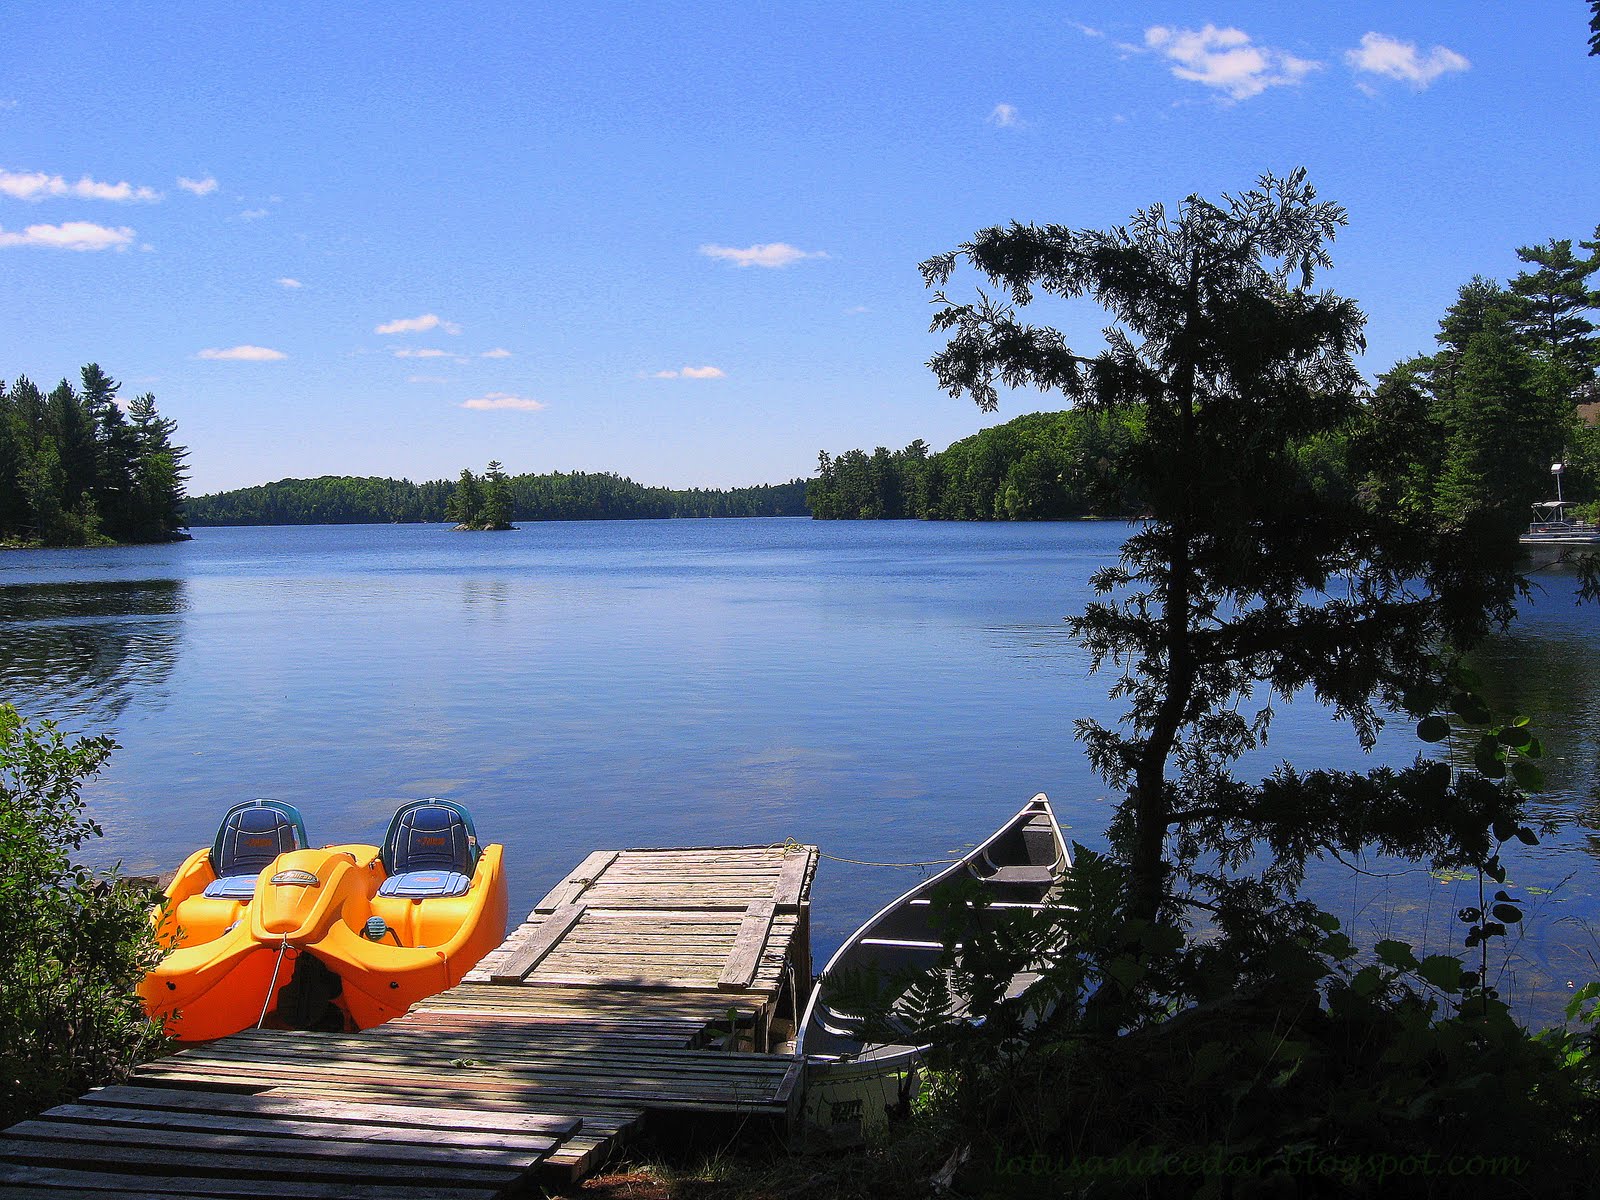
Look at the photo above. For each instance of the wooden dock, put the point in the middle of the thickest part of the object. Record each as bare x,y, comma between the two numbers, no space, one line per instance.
646,981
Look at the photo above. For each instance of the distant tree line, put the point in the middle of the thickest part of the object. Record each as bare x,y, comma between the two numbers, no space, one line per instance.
1038,467
1511,390
576,496
76,469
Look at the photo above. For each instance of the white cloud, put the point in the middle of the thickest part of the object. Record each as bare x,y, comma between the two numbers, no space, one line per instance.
857,310
1380,54
243,354
286,282
692,373
421,352
1005,116
497,352
199,187
418,325
1086,30
769,254
1227,60
70,235
502,400
36,185
254,214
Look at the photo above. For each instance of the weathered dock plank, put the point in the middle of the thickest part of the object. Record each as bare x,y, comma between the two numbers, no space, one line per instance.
601,1007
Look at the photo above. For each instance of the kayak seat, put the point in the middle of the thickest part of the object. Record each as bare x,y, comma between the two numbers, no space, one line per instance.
431,849
416,885
251,835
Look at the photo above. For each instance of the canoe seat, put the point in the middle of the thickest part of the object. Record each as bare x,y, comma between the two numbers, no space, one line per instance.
251,835
1030,875
431,849
416,885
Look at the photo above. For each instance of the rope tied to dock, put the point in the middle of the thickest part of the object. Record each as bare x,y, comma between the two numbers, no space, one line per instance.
790,844
273,983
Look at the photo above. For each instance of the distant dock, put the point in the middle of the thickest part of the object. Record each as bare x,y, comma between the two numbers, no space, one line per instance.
646,983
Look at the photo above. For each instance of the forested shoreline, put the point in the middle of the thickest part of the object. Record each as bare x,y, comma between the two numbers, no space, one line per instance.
77,469
1510,390
559,496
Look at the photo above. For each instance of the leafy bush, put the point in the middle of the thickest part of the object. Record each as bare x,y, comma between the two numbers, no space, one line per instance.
75,942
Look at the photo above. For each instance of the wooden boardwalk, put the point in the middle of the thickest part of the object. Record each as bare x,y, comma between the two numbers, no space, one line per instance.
646,981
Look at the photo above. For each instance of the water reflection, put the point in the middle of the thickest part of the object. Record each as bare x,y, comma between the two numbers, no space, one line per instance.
1547,666
84,650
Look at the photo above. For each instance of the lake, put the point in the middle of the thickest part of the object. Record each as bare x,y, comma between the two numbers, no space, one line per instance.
890,691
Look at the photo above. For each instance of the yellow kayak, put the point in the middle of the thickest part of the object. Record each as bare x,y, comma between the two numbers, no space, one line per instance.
261,929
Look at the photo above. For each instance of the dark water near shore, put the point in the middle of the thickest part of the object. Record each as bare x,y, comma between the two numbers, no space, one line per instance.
889,691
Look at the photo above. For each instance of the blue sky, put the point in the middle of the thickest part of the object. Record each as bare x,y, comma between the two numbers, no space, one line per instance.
680,241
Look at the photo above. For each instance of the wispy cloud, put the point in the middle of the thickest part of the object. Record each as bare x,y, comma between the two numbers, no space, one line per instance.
1005,116
36,185
243,354
426,379
199,187
421,352
1227,60
1380,54
420,324
497,352
254,214
496,400
766,254
1086,30
692,373
286,282
70,235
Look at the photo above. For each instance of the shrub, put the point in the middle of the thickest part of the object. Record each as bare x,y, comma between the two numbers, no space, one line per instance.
73,942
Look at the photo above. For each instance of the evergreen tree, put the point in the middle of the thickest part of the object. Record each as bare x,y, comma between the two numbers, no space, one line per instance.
1506,424
159,474
497,498
1553,302
73,471
466,504
1245,580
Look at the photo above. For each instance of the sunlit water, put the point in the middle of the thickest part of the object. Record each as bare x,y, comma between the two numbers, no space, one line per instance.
889,691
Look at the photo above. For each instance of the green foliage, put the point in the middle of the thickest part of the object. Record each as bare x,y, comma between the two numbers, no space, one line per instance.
76,942
1038,467
1182,1004
344,500
1259,572
465,506
1286,1065
75,472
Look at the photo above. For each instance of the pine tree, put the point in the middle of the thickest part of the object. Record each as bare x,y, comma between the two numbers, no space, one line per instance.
1246,580
158,472
1553,301
497,499
465,507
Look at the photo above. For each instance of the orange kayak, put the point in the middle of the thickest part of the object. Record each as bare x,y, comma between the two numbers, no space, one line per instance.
261,930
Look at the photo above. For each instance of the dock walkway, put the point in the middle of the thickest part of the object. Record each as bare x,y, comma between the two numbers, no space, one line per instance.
646,981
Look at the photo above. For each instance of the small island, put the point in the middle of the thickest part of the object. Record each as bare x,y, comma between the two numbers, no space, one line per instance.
481,504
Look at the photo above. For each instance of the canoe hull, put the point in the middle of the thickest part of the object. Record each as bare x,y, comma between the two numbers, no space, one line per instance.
851,1084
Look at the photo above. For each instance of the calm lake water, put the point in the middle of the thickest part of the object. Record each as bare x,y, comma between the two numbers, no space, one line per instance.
888,690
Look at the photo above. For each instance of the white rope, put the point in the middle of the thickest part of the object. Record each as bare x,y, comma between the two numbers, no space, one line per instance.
267,1003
